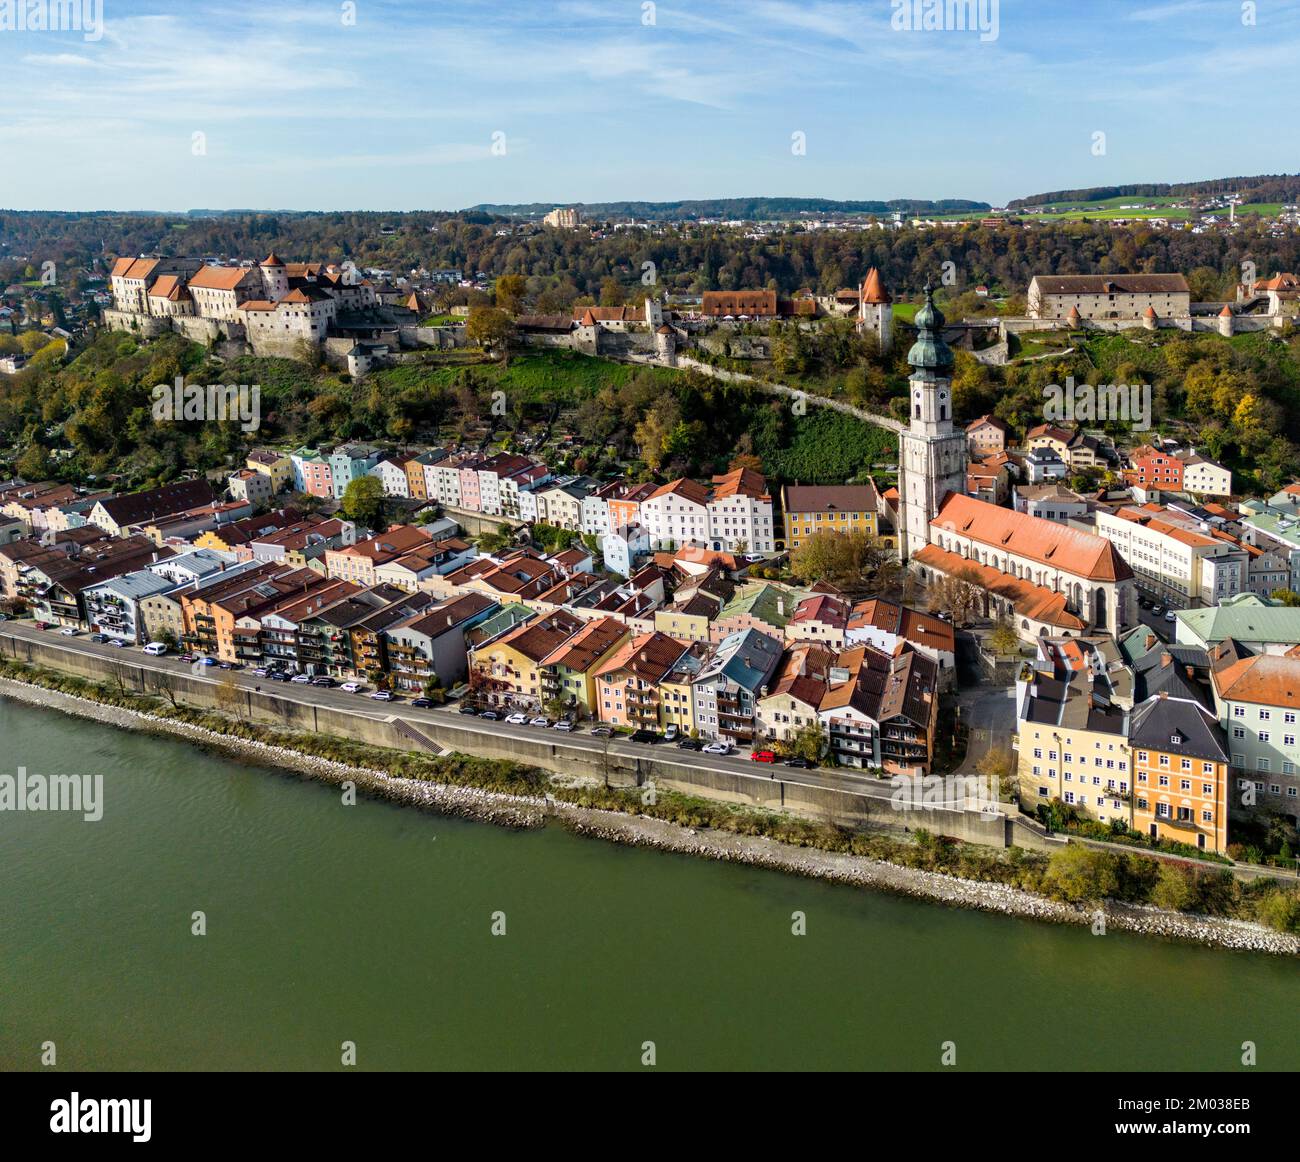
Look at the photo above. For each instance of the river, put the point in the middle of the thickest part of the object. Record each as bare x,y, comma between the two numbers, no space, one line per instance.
372,923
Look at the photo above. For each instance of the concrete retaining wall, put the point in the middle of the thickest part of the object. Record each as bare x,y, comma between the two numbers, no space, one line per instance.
550,752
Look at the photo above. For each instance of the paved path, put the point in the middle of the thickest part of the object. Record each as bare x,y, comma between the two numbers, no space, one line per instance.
792,393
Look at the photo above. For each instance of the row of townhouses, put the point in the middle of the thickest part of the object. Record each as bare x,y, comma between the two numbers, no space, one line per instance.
734,512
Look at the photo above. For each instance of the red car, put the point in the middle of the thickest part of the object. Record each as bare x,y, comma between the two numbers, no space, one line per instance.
763,756
42,624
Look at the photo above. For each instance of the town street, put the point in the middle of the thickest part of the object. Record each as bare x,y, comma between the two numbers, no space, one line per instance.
665,753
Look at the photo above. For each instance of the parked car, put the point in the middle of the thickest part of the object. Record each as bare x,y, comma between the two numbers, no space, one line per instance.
670,735
383,696
301,679
260,672
278,676
802,763
41,624
1158,610
351,687
539,721
118,642
517,719
763,756
422,702
490,715
101,638
690,743
717,748
565,725
69,631
1171,616
466,708
601,732
206,661
647,736
324,681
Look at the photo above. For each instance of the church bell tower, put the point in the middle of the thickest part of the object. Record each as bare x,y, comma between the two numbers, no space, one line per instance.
932,453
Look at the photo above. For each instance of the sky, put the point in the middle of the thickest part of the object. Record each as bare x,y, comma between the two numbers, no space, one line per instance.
404,105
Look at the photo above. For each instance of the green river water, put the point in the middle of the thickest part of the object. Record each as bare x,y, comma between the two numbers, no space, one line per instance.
373,924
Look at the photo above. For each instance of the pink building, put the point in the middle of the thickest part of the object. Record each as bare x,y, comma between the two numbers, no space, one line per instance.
317,479
471,497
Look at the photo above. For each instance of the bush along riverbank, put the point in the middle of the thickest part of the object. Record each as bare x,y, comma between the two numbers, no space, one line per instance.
1075,885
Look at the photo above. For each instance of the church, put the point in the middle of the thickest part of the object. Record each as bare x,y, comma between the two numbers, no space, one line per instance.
1050,578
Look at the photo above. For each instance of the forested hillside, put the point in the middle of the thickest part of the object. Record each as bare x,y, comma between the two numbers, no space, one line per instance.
563,266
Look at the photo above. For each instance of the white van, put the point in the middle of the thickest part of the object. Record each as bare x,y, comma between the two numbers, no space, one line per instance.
156,648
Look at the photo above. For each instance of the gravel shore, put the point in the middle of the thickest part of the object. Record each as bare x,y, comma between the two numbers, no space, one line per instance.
643,831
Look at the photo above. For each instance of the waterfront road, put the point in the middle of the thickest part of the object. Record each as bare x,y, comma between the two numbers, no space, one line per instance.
14,633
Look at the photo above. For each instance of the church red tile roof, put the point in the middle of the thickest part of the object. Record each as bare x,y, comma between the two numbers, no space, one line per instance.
1043,541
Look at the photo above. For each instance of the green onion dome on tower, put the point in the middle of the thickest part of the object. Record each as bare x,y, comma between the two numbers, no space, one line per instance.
930,352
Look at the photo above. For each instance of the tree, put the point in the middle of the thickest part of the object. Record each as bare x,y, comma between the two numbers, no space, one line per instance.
959,594
1079,874
847,560
1174,888
808,742
34,464
611,293
510,290
1003,639
363,501
489,327
229,698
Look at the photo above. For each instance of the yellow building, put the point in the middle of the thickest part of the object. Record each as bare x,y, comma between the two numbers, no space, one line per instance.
842,508
686,623
677,689
1180,790
508,669
568,671
1072,738
277,465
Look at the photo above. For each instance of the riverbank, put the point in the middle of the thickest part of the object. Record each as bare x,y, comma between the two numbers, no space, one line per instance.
521,811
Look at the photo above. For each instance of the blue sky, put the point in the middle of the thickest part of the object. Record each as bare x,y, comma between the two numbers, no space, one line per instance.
300,109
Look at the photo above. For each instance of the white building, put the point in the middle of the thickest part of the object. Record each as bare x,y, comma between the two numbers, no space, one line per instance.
1204,477
391,473
622,547
1176,565
740,513
677,514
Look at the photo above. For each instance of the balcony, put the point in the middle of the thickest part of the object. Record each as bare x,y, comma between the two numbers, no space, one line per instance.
739,733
